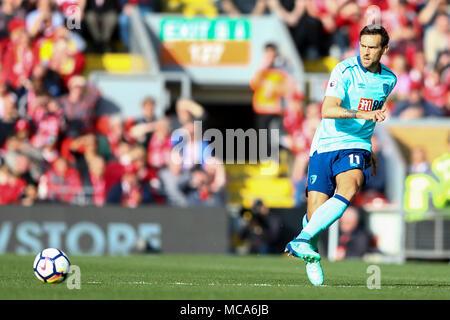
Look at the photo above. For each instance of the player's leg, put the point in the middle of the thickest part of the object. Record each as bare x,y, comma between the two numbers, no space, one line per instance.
314,269
315,200
348,184
320,187
347,167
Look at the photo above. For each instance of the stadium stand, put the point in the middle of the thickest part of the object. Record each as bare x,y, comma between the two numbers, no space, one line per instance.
64,77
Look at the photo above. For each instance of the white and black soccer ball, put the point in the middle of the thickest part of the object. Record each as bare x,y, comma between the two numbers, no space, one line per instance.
51,265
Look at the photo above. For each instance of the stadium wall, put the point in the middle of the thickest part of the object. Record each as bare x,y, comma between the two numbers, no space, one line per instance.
113,230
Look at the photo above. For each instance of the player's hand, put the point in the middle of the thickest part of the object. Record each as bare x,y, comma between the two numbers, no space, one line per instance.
375,116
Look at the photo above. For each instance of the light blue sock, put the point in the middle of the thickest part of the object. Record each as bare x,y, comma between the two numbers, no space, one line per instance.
305,221
315,240
324,216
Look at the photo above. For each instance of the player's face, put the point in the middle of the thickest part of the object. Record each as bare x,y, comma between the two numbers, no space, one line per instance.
370,50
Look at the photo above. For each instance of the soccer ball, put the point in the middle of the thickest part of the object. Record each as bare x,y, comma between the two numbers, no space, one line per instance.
51,266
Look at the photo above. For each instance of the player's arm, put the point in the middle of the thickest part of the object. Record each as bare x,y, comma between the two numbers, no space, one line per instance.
331,108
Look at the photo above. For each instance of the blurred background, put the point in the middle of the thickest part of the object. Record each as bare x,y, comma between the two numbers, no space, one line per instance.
92,90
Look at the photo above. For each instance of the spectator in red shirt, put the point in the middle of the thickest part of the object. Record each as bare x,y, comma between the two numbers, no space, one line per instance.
348,21
60,183
300,144
91,167
33,104
434,90
418,68
112,132
79,106
22,129
16,27
71,8
296,140
130,192
11,187
115,168
115,133
403,26
18,62
400,68
138,157
146,173
293,114
85,147
49,127
160,145
9,10
61,53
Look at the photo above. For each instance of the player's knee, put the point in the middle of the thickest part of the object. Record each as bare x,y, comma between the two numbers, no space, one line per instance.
349,192
349,187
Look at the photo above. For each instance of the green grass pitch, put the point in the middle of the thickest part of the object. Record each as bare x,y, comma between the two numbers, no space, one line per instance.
203,277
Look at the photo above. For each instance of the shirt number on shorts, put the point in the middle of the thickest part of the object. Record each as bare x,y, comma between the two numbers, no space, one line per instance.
354,158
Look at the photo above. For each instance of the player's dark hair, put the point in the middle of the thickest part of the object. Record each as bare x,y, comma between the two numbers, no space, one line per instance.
272,46
373,29
148,100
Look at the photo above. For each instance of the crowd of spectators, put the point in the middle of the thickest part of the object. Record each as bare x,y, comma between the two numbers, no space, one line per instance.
419,42
55,147
419,56
419,39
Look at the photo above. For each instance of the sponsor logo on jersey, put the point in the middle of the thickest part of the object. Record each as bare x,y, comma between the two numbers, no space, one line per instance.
370,104
333,83
365,104
312,179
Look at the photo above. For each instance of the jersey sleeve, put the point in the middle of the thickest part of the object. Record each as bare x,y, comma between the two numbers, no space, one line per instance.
337,86
393,85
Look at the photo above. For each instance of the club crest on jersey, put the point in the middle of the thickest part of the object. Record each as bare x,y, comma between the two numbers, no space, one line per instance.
386,88
365,104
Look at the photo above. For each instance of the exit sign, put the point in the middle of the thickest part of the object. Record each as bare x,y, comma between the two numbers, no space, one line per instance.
205,42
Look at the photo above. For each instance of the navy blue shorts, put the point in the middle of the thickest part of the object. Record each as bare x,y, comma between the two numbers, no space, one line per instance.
324,167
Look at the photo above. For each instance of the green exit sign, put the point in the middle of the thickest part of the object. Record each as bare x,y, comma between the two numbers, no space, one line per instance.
204,29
